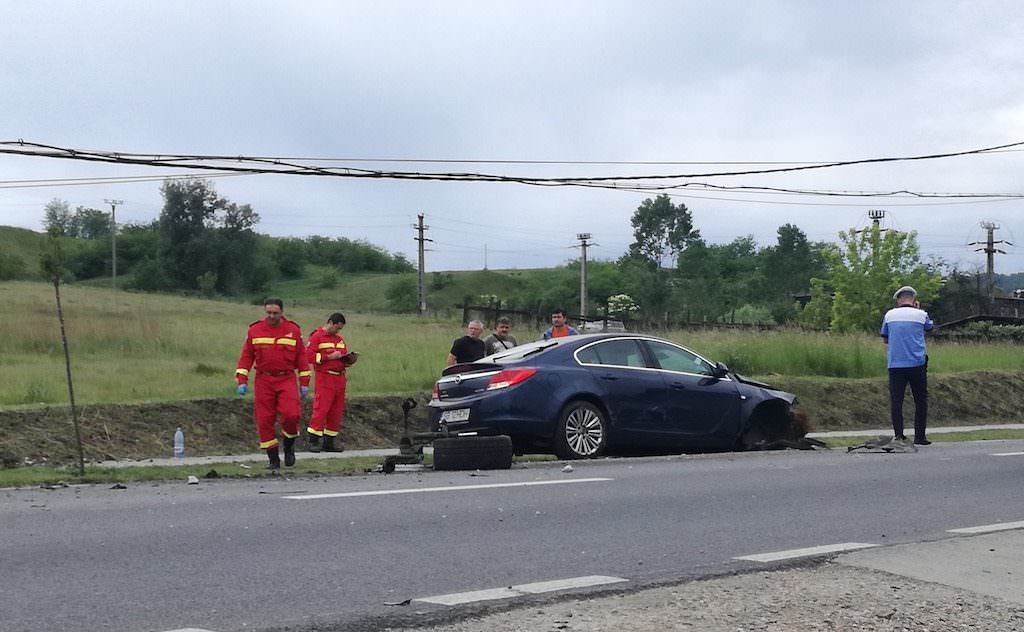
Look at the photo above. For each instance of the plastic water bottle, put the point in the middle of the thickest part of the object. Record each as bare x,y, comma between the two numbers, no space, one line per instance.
179,444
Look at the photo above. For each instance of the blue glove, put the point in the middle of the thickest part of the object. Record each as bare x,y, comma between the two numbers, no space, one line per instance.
303,391
243,389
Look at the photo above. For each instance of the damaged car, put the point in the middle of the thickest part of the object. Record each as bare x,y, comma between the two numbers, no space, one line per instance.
581,396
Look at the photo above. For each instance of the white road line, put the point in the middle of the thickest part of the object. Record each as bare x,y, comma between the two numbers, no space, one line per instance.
1008,454
814,550
452,488
190,630
989,528
455,599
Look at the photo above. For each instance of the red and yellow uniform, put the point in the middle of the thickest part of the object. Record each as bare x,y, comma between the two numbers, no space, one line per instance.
278,354
329,393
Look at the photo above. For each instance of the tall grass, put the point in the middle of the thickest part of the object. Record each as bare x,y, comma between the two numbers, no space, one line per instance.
139,347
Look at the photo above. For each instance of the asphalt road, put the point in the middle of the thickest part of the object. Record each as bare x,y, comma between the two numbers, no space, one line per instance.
330,554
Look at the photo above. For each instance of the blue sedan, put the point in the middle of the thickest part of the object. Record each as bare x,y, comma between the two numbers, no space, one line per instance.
579,396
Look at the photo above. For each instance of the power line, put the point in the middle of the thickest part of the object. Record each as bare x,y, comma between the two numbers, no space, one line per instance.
264,165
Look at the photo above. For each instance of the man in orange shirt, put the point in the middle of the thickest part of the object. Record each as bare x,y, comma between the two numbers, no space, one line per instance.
329,355
559,327
274,344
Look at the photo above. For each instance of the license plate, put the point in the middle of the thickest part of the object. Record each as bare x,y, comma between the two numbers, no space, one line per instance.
458,414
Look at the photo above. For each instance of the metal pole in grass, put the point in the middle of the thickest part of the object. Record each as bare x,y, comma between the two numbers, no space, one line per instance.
53,263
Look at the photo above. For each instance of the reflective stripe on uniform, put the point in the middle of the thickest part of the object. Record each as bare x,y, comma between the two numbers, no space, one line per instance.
318,356
304,373
242,371
288,435
264,445
330,433
263,341
286,341
315,433
326,345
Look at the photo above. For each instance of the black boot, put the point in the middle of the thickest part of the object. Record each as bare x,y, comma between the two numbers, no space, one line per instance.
314,442
289,451
275,459
331,446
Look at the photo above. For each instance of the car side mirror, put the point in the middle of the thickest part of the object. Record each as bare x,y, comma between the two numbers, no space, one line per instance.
720,370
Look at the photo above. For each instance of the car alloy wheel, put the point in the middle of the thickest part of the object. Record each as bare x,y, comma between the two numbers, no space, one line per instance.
582,432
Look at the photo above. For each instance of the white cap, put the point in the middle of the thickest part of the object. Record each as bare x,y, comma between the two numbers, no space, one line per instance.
906,289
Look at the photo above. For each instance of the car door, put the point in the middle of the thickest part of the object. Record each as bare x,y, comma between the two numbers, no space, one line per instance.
630,389
700,409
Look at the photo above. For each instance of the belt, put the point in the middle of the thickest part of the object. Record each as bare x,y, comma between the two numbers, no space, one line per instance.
276,373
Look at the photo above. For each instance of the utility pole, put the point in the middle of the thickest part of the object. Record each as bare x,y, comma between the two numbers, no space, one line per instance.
876,215
485,255
421,300
990,250
113,240
583,237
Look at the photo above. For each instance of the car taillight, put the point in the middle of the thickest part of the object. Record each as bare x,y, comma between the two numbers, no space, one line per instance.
509,377
437,392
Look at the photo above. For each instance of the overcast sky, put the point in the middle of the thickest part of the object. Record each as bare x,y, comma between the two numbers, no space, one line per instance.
555,81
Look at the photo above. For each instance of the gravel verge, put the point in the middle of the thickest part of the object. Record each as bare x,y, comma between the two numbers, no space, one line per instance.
831,596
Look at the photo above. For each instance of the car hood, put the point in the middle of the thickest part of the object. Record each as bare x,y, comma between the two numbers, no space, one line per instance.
767,389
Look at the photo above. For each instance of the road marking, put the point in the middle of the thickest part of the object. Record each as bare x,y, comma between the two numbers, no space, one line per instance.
989,528
455,599
455,488
807,552
190,630
1008,454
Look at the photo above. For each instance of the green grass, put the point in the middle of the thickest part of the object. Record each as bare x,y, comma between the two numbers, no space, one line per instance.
133,347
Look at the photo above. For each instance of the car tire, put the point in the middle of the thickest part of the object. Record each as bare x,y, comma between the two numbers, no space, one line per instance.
582,432
473,453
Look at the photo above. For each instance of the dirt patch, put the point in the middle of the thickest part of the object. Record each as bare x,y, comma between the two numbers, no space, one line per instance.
225,425
211,427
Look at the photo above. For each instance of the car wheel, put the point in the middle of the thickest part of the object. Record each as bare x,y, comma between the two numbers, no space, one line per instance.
473,453
582,432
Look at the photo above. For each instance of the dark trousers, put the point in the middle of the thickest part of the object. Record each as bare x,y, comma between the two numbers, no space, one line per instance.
917,377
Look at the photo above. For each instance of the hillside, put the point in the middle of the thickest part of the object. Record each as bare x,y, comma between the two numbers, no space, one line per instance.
23,246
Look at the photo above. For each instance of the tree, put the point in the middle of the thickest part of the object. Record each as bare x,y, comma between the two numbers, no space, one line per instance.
864,272
660,228
90,223
53,263
402,294
57,215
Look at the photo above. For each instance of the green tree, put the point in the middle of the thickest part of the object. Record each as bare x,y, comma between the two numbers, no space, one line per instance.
57,215
90,223
402,294
862,274
659,228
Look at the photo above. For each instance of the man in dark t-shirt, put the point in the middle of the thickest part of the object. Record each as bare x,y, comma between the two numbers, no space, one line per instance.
470,347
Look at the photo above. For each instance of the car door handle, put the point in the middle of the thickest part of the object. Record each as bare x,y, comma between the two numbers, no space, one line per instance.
679,386
610,378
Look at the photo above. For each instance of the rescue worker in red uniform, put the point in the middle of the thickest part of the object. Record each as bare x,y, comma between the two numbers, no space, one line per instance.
329,356
274,344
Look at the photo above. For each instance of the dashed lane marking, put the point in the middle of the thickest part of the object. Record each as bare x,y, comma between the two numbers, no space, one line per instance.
454,488
806,552
989,528
456,599
1008,454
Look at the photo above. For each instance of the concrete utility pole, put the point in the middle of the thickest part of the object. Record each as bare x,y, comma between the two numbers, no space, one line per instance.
421,288
990,250
113,240
583,237
876,215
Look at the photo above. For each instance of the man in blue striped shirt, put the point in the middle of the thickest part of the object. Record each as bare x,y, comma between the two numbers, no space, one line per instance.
903,331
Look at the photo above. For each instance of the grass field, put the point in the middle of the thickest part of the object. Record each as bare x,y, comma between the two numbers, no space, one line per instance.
138,347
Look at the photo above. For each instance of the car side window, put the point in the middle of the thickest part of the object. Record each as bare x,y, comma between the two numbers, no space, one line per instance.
673,358
613,353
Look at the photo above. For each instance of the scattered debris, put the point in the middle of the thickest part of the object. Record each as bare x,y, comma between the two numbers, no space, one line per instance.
244,466
211,474
405,602
118,486
56,485
568,468
193,480
884,445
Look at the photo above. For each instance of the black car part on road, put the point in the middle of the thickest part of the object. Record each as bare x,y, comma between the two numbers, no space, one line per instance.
473,453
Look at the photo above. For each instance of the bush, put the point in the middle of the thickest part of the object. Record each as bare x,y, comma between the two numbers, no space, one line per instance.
149,275
402,294
11,267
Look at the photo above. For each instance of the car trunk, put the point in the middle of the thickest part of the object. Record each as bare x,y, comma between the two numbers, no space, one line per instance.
464,380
